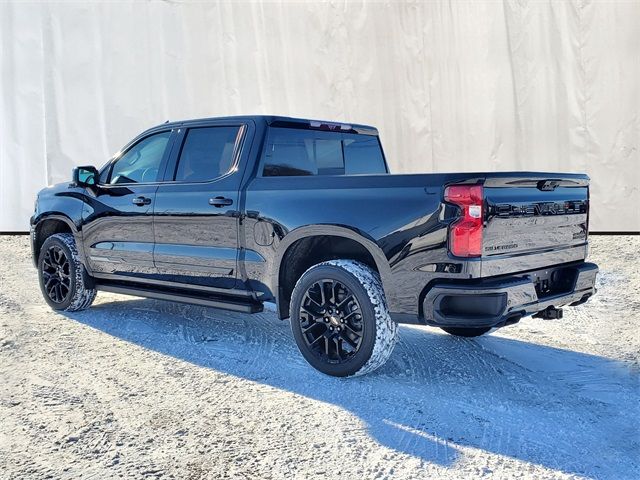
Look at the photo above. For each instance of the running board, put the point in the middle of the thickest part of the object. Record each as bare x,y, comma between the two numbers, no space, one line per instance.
226,304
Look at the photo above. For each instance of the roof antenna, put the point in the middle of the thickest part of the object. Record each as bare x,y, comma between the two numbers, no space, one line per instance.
166,121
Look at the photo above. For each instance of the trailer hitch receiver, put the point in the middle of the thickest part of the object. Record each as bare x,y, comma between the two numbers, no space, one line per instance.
549,313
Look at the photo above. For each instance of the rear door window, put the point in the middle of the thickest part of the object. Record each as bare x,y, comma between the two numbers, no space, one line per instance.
207,153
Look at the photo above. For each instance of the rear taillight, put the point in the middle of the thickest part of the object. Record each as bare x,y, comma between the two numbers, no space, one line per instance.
465,234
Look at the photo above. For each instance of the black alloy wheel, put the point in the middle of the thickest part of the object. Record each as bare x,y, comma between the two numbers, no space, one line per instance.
340,319
331,321
64,283
56,273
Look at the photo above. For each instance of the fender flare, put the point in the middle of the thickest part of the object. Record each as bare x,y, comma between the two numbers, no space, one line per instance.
330,230
38,221
56,216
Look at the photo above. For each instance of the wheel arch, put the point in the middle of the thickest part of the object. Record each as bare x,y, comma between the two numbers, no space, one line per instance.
320,243
49,225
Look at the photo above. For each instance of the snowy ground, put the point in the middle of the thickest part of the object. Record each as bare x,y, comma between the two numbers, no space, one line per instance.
144,388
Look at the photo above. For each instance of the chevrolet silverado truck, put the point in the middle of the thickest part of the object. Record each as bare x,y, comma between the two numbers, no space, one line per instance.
235,212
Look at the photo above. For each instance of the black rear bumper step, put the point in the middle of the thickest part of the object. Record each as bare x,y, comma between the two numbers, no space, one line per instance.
501,301
205,301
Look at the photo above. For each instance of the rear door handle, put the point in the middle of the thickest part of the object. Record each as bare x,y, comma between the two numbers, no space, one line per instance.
220,202
140,201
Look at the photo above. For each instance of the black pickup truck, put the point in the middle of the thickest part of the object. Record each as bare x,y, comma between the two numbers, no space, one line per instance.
234,212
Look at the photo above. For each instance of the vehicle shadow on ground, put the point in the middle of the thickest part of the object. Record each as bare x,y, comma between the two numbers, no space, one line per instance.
568,411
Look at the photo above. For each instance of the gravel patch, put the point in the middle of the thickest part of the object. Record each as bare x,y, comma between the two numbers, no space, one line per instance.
141,388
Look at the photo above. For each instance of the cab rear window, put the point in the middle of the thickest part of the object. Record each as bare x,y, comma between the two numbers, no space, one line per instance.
300,152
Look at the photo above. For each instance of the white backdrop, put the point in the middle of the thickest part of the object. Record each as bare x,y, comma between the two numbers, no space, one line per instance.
452,86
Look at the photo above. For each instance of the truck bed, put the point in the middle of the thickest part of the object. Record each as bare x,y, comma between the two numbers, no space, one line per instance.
406,217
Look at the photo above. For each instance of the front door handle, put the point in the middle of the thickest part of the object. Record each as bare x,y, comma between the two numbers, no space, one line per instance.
140,201
220,202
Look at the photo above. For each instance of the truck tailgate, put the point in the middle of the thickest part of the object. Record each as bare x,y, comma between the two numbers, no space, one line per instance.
532,219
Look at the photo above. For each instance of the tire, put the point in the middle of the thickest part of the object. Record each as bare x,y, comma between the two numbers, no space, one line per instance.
62,276
466,332
340,320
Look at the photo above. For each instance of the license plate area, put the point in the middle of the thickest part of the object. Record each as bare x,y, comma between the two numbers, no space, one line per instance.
554,281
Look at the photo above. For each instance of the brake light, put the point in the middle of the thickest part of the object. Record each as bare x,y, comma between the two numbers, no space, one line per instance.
465,234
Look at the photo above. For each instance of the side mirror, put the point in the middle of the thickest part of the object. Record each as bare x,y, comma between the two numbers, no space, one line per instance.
85,176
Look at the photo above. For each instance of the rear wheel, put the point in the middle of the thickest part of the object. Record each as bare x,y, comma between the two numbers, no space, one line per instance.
466,332
340,320
61,275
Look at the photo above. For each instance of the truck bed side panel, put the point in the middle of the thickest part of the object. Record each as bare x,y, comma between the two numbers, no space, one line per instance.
406,219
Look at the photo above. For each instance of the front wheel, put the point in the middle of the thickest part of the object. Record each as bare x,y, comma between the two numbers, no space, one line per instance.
340,320
61,275
466,332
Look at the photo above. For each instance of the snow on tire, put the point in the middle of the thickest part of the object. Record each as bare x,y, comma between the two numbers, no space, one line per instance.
380,331
80,296
386,328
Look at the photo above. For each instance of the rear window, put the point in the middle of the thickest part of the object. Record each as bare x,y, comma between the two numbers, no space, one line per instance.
297,152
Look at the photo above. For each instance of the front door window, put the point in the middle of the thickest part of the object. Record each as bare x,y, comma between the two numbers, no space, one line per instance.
140,164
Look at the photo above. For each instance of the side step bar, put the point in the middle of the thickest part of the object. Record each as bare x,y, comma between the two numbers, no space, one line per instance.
226,304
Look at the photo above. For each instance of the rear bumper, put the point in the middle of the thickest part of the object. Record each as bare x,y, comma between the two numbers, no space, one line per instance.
497,302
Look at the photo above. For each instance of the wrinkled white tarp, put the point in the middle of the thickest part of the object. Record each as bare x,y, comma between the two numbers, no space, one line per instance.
452,86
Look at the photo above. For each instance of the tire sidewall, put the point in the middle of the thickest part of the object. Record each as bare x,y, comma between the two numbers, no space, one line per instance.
53,240
355,363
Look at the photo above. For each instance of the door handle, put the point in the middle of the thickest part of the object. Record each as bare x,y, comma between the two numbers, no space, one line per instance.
220,202
140,201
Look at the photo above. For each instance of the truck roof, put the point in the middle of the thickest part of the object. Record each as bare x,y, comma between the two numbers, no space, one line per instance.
276,120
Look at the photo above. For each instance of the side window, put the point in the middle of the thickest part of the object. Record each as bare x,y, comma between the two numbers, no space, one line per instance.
141,162
298,152
207,153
